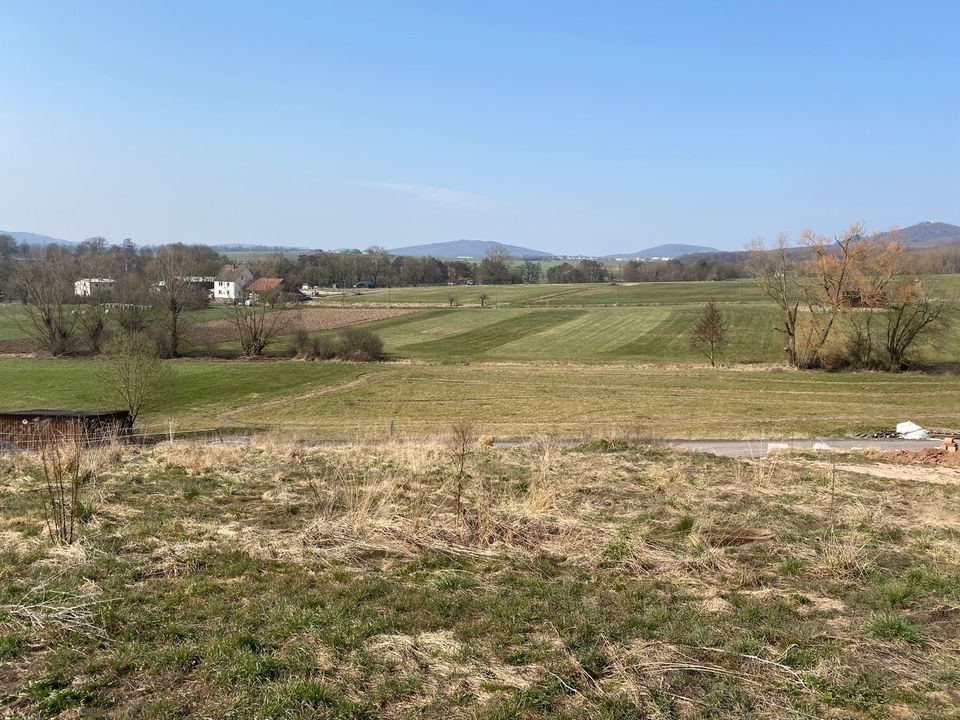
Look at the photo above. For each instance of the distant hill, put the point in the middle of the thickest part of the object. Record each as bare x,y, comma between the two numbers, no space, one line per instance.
669,250
474,249
927,234
35,239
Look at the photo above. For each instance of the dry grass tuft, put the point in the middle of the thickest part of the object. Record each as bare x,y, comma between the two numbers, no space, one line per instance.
199,459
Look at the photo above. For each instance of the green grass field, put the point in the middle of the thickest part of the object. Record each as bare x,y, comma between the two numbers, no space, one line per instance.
663,293
360,401
524,368
553,295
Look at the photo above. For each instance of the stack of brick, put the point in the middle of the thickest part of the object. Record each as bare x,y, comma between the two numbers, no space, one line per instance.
949,445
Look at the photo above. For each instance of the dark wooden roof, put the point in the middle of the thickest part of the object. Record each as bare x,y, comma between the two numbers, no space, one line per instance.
64,413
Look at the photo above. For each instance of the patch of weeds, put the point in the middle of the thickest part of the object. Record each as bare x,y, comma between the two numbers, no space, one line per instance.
179,658
864,692
451,581
891,626
615,553
12,646
293,698
683,526
247,668
790,566
602,446
54,694
619,708
541,696
893,594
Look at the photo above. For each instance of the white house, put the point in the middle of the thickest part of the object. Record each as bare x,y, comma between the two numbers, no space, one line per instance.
85,287
231,281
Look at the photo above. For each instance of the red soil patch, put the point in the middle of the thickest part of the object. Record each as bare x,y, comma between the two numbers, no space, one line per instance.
929,456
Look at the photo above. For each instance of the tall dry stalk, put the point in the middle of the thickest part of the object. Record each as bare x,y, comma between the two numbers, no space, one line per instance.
65,474
461,440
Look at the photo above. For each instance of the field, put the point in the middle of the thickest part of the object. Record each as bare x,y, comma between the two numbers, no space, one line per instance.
655,293
348,401
608,581
553,295
566,364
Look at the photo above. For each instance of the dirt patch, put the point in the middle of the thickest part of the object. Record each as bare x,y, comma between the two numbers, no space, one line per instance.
18,346
214,332
928,456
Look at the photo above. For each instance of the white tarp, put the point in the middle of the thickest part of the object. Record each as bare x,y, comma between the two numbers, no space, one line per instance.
911,431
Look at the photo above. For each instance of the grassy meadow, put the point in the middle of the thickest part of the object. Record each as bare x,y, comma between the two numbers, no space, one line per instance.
608,581
561,359
365,401
587,294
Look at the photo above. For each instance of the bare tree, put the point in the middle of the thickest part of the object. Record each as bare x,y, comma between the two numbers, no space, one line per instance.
494,269
827,278
173,293
259,324
46,287
710,333
775,274
130,372
911,318
133,311
92,322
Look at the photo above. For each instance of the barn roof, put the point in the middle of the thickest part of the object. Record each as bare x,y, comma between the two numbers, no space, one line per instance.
265,284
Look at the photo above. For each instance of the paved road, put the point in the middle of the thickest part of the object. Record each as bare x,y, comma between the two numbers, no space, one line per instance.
759,448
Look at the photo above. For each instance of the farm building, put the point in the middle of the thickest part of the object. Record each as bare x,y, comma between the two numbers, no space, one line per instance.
87,287
264,288
231,281
28,428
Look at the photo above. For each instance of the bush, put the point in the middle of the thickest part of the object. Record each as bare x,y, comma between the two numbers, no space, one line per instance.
350,344
361,345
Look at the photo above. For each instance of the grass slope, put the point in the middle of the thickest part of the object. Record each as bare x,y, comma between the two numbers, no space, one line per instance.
605,582
197,391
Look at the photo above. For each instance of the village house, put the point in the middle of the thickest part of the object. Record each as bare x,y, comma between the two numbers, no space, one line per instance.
88,287
264,288
232,281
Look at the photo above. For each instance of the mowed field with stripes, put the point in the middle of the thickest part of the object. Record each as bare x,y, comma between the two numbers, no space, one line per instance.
554,360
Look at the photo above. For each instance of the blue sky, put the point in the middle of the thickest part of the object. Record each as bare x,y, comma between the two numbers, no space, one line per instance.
570,127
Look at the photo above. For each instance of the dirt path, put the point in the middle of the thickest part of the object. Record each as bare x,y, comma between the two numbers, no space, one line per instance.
897,471
759,448
265,405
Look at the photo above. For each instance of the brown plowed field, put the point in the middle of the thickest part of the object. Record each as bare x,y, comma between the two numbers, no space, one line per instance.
214,332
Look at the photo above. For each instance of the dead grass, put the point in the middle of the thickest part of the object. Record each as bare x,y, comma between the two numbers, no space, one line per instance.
616,579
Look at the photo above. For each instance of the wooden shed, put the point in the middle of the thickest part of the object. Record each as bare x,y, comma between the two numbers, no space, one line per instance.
27,428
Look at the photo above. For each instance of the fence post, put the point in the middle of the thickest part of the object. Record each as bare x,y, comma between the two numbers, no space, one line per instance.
170,430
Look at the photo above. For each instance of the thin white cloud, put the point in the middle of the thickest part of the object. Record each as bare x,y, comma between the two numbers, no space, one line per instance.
433,195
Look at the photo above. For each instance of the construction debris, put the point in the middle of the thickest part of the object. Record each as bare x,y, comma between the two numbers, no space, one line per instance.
911,431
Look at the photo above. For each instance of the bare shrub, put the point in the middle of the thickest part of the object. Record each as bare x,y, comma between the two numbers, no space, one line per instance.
66,473
461,440
130,372
258,326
